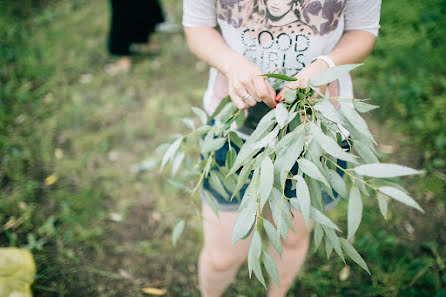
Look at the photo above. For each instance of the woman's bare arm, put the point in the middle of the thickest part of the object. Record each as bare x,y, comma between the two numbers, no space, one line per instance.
243,75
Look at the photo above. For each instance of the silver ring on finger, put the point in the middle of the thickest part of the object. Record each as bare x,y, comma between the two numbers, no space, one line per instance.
246,96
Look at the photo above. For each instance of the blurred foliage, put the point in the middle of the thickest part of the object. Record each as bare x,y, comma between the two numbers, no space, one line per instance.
68,133
407,74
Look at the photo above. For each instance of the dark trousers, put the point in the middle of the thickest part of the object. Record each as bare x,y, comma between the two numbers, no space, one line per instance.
132,21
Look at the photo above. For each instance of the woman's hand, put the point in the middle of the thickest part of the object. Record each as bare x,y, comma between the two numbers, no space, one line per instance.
246,86
303,79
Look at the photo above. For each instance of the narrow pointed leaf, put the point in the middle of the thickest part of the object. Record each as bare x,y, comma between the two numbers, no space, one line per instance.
353,254
354,214
328,111
280,76
171,152
303,198
201,115
401,197
177,162
311,170
384,170
212,145
332,74
235,139
318,235
256,245
177,230
316,215
382,203
330,146
281,114
266,180
226,100
245,220
364,107
271,267
337,183
334,240
273,236
231,155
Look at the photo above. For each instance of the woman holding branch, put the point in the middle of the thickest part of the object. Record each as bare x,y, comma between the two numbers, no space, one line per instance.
241,40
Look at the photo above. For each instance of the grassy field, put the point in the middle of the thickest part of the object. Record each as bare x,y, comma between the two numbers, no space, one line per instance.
70,134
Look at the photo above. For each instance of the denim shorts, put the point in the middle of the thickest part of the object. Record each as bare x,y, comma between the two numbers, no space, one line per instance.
225,204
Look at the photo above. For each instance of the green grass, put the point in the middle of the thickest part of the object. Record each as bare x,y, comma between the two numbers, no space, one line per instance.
101,230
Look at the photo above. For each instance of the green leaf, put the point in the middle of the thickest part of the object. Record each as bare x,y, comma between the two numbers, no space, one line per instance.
337,182
271,267
280,76
311,170
266,180
303,198
212,145
201,130
364,107
356,121
289,96
221,105
177,230
328,111
285,161
245,220
288,138
330,146
243,177
353,254
318,235
273,236
400,196
328,247
354,214
331,74
189,123
365,152
334,240
209,198
383,170
316,215
268,139
201,114
235,139
171,151
240,120
231,155
281,114
254,264
382,203
217,185
177,162
278,205
256,245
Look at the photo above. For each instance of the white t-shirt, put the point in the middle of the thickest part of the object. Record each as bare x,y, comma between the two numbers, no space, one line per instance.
285,34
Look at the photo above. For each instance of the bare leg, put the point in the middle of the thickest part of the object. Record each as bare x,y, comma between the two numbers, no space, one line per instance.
293,256
122,65
219,259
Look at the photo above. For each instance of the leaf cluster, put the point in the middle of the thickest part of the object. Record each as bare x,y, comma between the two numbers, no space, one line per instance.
301,130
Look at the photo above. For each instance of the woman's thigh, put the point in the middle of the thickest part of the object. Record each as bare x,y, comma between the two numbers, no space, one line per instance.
218,236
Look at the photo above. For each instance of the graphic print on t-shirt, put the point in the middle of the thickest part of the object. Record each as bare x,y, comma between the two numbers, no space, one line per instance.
277,33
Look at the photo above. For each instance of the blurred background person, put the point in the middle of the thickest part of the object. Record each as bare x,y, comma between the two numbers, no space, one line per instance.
131,28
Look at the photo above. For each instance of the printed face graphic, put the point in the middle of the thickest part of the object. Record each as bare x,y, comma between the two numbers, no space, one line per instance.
278,8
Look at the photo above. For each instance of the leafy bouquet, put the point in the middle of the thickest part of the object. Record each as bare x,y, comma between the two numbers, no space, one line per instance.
299,130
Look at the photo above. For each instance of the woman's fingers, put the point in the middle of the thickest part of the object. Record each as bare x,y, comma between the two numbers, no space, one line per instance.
264,91
245,93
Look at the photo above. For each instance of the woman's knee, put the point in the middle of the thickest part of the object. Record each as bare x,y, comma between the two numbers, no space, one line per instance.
222,260
299,239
